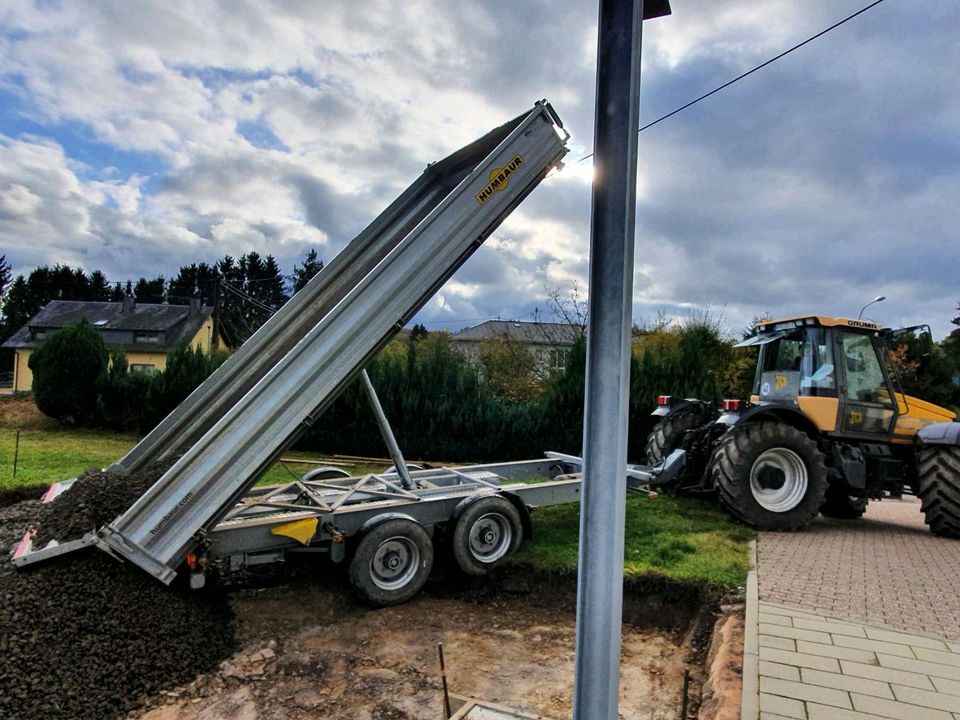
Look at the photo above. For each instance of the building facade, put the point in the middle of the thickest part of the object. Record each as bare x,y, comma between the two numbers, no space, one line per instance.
549,343
145,332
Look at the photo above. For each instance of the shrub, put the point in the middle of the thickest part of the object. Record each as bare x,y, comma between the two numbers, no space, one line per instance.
67,370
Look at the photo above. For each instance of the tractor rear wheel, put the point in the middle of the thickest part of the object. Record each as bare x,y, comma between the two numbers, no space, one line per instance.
839,503
668,433
940,488
769,475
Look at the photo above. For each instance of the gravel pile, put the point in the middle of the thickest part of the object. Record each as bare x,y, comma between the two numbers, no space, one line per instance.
96,498
85,636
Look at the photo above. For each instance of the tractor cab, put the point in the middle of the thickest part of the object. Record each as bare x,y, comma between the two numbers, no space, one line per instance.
833,369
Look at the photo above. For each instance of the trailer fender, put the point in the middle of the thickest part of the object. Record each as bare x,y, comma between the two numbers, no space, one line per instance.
943,433
514,500
385,517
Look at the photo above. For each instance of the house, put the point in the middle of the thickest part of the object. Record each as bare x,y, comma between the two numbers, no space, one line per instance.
549,342
144,332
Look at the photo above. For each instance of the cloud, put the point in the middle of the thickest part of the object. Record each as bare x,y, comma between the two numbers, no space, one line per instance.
827,178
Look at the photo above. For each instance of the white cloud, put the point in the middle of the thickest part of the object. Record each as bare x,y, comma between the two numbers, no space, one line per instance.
824,179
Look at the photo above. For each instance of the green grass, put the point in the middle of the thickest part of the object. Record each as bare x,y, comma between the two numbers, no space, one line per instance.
678,538
48,455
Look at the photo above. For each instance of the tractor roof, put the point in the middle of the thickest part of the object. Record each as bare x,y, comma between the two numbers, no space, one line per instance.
822,321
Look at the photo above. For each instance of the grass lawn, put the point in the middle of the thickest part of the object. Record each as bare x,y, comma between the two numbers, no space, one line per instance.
680,538
48,455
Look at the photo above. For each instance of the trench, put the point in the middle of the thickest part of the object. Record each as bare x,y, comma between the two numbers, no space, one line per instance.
307,646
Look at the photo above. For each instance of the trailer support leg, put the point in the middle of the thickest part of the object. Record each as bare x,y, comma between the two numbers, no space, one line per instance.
387,432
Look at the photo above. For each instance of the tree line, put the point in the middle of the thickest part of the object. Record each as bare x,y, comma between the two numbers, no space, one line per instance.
245,290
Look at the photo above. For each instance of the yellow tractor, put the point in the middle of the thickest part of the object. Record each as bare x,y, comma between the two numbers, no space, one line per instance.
825,430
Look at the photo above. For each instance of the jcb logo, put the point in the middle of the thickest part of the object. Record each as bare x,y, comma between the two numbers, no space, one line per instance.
856,417
780,382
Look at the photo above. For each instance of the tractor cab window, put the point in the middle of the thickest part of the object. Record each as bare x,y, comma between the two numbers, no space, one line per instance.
817,375
869,404
865,379
797,363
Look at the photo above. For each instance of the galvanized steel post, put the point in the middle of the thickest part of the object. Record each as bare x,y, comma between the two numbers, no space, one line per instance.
602,508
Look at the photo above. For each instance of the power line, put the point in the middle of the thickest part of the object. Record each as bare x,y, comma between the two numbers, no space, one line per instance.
753,70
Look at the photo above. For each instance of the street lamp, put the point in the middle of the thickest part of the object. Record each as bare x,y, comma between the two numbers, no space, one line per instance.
878,298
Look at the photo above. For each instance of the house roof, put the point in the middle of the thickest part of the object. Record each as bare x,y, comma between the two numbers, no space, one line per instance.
175,322
529,333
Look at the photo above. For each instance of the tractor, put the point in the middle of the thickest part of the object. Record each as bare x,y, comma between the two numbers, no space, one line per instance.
826,429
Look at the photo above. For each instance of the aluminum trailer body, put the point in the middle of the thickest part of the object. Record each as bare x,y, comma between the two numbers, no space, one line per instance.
252,360
307,354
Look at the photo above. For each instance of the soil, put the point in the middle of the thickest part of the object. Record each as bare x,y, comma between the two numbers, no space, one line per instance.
313,652
19,411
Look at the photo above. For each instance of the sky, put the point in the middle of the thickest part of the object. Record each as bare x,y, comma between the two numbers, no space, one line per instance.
139,136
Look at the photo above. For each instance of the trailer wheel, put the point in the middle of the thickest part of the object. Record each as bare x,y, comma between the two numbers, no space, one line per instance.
487,533
940,489
392,562
769,475
668,433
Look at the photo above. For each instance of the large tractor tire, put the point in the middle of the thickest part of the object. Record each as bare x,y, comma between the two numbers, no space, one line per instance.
769,475
940,488
668,433
839,503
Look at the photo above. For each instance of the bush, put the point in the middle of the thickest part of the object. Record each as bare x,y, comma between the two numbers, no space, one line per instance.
67,370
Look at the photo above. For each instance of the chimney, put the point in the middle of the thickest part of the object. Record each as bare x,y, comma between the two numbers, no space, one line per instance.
129,304
194,305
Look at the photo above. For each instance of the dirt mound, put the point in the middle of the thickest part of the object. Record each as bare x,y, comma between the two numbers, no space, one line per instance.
85,636
21,412
96,498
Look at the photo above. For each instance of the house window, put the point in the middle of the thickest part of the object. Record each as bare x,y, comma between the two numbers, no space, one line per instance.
558,360
145,368
146,338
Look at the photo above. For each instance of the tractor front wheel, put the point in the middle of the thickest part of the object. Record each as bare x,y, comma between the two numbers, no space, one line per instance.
939,490
769,475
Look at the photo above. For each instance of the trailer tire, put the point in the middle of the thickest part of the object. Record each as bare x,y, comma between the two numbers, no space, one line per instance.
487,533
392,562
839,503
939,490
751,457
667,434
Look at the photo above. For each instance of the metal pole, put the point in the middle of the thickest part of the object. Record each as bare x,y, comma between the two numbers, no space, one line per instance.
602,507
16,454
387,432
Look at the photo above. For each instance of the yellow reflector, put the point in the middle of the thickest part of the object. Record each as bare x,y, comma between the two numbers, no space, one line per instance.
300,530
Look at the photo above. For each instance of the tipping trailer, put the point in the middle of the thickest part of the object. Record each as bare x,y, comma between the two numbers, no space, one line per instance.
204,511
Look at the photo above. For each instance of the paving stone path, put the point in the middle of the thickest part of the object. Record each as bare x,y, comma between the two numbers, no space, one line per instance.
885,569
854,621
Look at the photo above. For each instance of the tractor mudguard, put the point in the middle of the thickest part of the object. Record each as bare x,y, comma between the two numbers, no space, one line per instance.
944,433
663,410
781,413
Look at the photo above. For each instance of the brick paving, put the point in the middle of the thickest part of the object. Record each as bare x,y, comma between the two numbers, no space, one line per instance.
810,666
854,621
885,569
